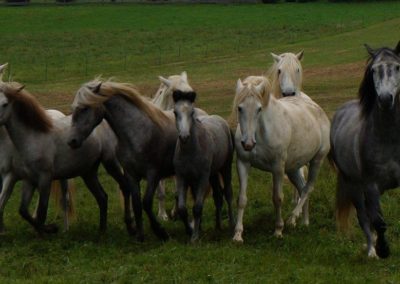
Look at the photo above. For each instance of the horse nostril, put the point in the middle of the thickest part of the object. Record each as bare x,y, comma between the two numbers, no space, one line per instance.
73,143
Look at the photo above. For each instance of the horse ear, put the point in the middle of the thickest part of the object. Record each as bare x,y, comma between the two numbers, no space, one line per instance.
369,49
239,85
300,55
19,89
2,68
397,49
260,88
96,89
184,76
165,81
276,58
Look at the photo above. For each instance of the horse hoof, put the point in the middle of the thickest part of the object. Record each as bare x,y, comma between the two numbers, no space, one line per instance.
372,254
50,228
382,249
238,238
194,239
163,216
278,234
291,221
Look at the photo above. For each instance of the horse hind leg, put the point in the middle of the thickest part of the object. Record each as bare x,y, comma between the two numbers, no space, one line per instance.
372,201
297,179
148,208
8,183
113,168
226,174
315,165
218,200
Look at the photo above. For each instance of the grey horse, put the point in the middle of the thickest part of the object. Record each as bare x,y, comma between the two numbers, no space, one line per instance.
42,147
204,151
146,137
365,142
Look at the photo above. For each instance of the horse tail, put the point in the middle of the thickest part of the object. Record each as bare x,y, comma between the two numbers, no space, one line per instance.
331,159
57,193
344,205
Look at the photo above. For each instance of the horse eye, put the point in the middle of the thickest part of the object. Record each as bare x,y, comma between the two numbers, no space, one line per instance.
175,113
298,70
398,68
5,105
258,110
279,71
240,109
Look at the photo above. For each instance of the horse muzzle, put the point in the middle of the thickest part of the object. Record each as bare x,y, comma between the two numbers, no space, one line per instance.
183,138
248,145
385,101
74,143
289,94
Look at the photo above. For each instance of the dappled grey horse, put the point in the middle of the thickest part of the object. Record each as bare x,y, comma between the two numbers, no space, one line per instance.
204,151
42,147
365,140
146,137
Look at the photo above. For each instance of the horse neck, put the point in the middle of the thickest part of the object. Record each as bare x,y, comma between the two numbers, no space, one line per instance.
385,123
193,143
22,137
120,113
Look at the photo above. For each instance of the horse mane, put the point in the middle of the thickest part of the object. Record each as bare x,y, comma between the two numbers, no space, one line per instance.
290,63
163,97
367,92
26,107
249,90
86,96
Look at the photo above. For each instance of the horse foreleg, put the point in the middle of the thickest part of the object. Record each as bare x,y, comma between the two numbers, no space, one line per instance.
44,187
114,169
277,198
182,188
148,208
315,165
243,173
372,197
200,190
162,213
26,198
65,202
101,197
134,184
7,188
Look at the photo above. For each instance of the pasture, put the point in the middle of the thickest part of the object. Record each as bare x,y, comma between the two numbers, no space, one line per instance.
53,50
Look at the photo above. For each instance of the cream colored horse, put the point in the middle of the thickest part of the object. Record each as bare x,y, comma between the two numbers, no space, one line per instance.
278,136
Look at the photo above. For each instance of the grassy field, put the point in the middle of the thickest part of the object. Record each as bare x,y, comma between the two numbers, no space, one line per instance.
55,49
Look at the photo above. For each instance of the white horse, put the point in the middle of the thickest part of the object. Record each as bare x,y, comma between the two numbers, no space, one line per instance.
278,136
163,99
286,75
12,170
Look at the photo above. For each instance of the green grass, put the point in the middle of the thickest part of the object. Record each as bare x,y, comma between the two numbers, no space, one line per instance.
218,44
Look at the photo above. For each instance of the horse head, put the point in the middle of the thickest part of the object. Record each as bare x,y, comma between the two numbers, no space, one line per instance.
381,82
287,74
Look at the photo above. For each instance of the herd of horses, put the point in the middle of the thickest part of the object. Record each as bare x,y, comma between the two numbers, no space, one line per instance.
279,130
